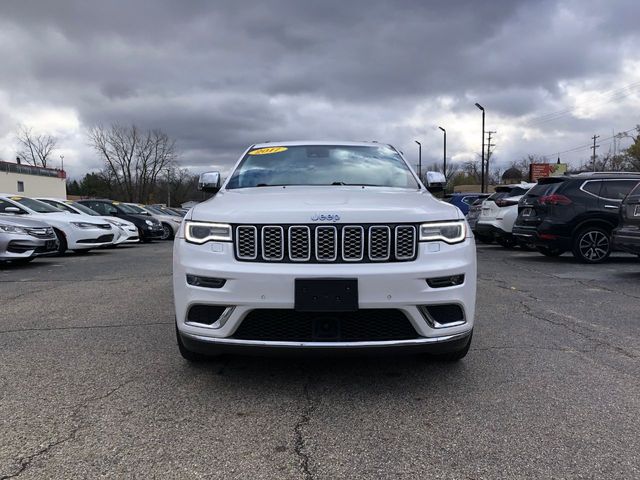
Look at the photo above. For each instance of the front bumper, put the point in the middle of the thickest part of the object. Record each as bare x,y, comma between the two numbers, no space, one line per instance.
26,246
251,286
152,233
442,344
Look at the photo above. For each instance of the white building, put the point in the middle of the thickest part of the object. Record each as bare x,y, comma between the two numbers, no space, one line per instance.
32,181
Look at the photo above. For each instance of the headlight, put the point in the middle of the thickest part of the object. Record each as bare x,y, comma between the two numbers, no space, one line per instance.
201,232
12,229
84,225
116,223
450,232
148,222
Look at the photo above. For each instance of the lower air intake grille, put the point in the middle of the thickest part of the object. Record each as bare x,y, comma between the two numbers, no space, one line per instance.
291,326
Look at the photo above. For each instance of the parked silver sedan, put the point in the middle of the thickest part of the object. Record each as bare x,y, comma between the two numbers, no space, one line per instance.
22,239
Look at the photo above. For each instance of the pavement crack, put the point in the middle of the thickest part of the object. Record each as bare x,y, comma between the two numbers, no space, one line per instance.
26,461
300,444
84,327
591,336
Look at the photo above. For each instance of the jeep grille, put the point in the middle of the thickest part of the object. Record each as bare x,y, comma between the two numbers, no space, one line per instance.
326,243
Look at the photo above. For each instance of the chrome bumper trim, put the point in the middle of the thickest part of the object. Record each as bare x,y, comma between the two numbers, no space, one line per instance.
327,345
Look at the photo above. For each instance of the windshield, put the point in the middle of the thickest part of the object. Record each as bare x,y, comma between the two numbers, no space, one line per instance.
36,205
83,209
154,210
130,209
379,166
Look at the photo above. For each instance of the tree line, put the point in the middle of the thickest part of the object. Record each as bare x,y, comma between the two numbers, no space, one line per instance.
141,165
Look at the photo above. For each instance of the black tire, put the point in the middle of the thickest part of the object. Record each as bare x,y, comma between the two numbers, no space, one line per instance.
143,239
487,239
62,241
506,242
455,355
167,232
592,244
528,247
550,251
188,355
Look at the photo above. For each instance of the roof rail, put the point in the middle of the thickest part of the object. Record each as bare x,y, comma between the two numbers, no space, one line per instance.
591,174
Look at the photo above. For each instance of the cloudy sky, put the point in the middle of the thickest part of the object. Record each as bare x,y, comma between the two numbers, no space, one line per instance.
221,75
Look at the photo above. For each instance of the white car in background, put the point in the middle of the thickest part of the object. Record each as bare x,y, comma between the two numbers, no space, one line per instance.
124,231
75,232
499,213
170,223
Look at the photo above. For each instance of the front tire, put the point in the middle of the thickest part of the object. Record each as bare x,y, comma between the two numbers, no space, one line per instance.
62,242
167,232
592,245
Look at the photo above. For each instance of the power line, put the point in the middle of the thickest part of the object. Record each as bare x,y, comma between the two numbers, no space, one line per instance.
610,96
587,146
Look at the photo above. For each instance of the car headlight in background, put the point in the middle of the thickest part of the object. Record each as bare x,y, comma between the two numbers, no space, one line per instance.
202,232
116,223
450,232
12,229
148,222
84,225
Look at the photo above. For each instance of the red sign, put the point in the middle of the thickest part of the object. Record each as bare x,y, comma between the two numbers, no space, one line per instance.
541,170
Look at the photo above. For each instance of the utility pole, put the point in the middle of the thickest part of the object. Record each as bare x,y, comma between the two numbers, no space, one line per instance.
593,157
482,166
444,154
489,152
419,159
168,188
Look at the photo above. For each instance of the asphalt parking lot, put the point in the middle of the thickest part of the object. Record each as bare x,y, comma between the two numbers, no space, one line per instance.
92,385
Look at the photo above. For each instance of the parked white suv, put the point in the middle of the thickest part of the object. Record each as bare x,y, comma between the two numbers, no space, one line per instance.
323,246
499,213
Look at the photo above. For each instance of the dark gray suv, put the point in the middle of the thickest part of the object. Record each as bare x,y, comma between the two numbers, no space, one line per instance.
574,213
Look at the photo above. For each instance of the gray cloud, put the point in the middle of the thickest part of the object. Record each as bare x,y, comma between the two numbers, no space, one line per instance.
219,76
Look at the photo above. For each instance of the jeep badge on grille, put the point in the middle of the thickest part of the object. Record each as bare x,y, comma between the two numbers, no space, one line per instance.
331,217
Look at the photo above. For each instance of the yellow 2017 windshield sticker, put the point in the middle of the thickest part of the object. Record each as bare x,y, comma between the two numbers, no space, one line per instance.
267,151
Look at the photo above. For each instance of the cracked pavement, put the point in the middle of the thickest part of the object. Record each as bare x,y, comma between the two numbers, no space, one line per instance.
92,385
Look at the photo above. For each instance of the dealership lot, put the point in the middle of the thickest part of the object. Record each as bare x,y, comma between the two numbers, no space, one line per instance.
92,383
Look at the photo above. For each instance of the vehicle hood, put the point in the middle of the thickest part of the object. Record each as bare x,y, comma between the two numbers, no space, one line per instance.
167,218
117,219
305,204
66,218
20,221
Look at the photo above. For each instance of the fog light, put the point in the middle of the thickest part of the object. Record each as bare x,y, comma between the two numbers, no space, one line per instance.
450,281
205,282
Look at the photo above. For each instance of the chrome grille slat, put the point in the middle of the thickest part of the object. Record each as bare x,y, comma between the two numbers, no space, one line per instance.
299,243
352,243
379,243
247,242
405,242
272,243
326,243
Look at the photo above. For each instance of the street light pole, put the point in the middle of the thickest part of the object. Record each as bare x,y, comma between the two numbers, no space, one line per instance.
444,154
482,174
419,159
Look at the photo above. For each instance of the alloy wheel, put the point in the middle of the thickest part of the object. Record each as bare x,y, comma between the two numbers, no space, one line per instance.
594,245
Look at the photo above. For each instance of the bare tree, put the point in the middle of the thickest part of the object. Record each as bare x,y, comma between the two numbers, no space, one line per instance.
35,149
133,158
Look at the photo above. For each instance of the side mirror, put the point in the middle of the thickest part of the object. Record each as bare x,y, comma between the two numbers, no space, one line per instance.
209,182
435,181
14,210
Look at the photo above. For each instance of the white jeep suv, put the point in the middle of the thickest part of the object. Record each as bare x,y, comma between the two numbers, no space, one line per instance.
323,246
